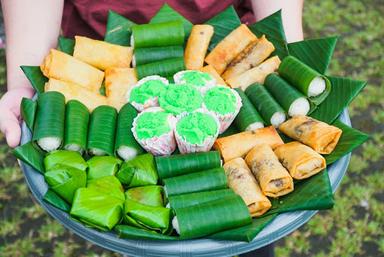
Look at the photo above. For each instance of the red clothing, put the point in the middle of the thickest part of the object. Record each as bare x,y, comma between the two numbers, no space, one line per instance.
89,17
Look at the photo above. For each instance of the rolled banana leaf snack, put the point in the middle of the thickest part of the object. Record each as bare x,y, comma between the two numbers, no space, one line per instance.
273,178
248,118
126,145
266,105
292,100
166,68
242,181
180,164
153,54
101,133
76,126
157,34
300,160
311,83
322,137
48,129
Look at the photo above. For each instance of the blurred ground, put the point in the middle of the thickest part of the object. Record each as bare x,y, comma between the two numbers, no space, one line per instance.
354,227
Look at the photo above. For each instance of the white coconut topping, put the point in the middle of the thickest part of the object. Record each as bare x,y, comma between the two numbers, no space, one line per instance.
126,152
74,148
175,225
255,125
133,61
97,152
277,119
49,143
132,42
316,87
299,107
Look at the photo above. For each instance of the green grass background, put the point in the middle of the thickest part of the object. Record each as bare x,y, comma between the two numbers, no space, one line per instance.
354,227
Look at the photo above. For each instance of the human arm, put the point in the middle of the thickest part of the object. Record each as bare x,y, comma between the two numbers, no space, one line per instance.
291,14
31,29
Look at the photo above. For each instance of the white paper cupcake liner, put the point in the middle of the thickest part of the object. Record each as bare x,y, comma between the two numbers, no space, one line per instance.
151,102
162,145
186,147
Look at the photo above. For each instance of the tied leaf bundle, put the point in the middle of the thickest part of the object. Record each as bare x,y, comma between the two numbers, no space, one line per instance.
51,197
69,158
102,166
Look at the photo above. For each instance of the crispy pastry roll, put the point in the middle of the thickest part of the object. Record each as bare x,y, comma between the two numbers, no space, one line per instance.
102,54
197,46
117,83
256,74
238,145
72,91
232,45
61,66
252,56
273,178
210,70
300,160
243,183
320,136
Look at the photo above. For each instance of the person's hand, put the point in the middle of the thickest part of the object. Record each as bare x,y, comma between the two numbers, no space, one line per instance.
10,113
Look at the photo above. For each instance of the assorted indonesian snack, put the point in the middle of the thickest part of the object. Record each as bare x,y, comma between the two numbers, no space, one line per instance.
170,130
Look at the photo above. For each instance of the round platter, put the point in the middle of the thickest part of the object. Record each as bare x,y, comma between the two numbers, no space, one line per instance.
282,225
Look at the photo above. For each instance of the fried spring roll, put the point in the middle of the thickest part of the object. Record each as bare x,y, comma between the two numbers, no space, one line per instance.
197,46
238,145
252,56
320,136
232,45
243,183
117,83
72,91
102,54
273,178
61,66
255,75
300,160
210,70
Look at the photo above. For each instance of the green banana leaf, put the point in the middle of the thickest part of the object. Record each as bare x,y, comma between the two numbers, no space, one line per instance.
66,45
350,139
245,233
186,200
180,164
223,24
344,90
65,180
148,195
155,218
31,155
118,29
36,77
310,194
129,232
101,166
316,53
64,157
28,109
140,171
76,126
167,13
212,217
272,28
54,199
206,180
100,204
230,131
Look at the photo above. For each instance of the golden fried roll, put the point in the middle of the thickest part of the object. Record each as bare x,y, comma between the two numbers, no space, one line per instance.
210,70
252,56
117,83
197,46
300,160
227,49
255,75
61,66
102,54
72,91
273,178
320,136
243,183
238,145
